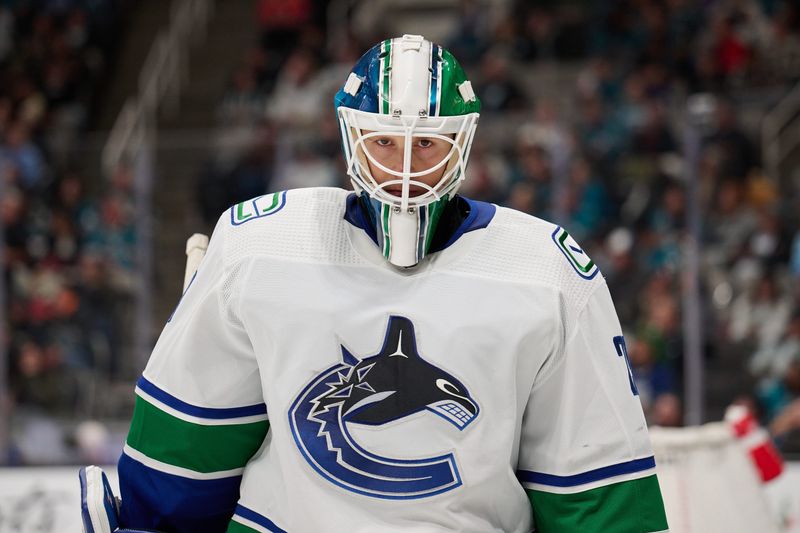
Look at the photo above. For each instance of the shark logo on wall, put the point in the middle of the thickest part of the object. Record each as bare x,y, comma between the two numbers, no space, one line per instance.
394,384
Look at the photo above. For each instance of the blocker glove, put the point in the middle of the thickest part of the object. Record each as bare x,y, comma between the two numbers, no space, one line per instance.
99,506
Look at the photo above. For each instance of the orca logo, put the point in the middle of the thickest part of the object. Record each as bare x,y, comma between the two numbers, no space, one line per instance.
395,383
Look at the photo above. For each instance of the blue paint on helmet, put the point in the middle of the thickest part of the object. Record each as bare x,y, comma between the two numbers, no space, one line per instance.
368,71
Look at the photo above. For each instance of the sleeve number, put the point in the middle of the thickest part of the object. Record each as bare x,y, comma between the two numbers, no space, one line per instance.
622,351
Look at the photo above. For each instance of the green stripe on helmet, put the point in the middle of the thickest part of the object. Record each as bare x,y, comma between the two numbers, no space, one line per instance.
386,69
451,102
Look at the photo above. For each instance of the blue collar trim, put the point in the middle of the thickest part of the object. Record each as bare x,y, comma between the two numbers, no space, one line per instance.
480,216
356,216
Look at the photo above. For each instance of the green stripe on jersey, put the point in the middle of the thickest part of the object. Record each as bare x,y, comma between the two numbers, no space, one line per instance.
236,527
628,507
205,449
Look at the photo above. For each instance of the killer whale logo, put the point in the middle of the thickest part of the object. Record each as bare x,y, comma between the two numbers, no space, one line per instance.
394,384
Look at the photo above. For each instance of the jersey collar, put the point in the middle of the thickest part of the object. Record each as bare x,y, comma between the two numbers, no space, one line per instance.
477,216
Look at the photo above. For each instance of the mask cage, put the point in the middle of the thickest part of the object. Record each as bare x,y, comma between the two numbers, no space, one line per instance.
354,122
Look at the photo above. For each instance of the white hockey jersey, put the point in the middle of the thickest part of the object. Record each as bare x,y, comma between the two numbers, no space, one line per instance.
304,384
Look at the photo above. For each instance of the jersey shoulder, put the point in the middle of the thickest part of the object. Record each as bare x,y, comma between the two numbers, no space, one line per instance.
299,224
521,248
300,202
541,240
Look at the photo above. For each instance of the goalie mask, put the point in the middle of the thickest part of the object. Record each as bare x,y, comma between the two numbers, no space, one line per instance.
407,116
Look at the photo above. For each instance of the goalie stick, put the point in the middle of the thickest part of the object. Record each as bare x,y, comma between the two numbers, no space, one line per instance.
196,247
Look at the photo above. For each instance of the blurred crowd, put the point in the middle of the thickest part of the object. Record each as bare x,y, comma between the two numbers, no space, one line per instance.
67,253
601,154
598,149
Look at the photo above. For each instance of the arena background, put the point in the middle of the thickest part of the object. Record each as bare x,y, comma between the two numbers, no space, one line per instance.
663,135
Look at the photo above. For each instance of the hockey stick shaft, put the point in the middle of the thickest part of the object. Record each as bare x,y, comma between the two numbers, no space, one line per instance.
196,247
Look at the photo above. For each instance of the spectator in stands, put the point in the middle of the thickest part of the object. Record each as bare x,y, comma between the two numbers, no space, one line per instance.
624,274
732,53
771,362
298,98
658,324
19,152
794,261
731,221
98,314
6,32
244,102
653,378
488,174
40,378
498,90
781,401
281,24
532,168
601,134
471,36
667,411
760,316
585,201
548,129
12,209
736,149
653,135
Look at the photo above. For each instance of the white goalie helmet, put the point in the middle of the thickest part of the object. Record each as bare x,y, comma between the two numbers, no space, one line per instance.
407,116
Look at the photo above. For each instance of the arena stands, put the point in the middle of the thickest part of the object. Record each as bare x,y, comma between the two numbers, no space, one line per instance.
596,95
68,253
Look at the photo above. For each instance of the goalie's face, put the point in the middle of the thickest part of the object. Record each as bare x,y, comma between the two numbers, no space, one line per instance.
422,158
428,162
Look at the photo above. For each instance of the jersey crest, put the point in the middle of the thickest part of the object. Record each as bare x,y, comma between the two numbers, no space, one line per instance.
376,390
578,259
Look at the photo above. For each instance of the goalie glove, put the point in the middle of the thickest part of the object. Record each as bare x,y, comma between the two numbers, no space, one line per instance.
99,506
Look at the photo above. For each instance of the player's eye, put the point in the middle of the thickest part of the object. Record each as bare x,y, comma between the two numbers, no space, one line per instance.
383,141
425,143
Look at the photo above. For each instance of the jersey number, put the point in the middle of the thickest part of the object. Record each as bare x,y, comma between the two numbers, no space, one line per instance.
622,351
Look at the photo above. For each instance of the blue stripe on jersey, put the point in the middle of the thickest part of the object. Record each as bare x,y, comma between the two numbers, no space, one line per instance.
480,215
261,520
166,502
629,467
216,413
